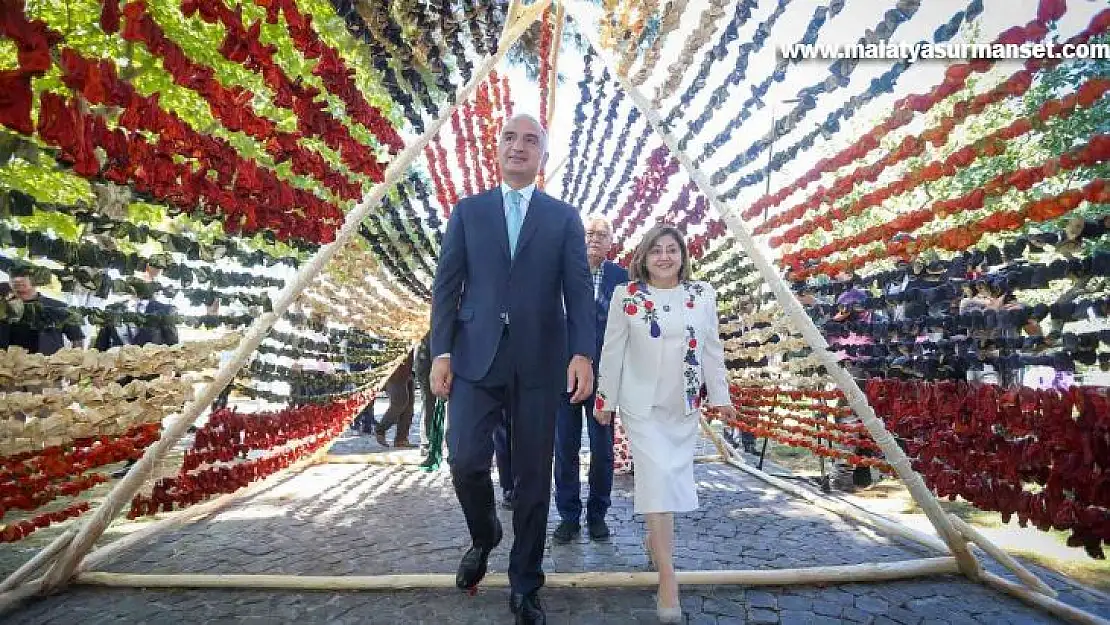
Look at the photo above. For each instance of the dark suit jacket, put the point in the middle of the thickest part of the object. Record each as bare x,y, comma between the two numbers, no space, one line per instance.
160,329
53,320
476,286
612,274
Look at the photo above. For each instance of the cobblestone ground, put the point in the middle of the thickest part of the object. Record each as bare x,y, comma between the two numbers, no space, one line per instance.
356,519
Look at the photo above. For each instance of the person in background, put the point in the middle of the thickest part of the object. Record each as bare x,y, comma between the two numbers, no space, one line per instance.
158,325
400,388
662,344
422,370
568,423
33,321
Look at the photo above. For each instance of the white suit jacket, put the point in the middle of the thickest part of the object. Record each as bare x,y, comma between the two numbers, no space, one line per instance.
631,356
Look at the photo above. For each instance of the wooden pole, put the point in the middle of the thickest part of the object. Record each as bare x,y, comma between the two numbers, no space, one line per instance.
1025,575
387,458
556,169
875,572
969,565
40,559
12,598
556,45
67,562
722,448
1048,604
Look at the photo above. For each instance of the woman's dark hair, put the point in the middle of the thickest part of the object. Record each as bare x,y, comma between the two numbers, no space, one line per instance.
637,268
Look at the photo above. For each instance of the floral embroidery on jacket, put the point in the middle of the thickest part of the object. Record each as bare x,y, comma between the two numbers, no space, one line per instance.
635,300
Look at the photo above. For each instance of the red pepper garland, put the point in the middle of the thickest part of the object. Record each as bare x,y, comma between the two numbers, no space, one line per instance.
243,45
437,182
989,445
31,480
231,105
23,529
448,180
963,237
460,152
1087,95
152,168
546,35
293,433
507,97
474,148
757,426
484,110
333,71
955,79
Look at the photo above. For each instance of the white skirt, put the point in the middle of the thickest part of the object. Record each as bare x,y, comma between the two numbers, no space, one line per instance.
663,456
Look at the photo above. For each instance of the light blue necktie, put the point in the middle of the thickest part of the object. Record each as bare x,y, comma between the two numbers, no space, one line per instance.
514,219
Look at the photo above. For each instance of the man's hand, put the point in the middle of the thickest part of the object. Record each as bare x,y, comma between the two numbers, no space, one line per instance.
441,377
604,417
580,379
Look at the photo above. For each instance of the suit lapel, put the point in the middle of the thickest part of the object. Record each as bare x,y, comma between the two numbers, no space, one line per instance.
498,223
531,221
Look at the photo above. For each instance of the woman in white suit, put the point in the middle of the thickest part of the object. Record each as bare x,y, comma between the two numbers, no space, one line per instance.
661,345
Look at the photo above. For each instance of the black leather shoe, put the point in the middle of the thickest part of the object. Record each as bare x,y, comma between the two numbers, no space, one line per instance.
599,531
527,609
566,532
473,566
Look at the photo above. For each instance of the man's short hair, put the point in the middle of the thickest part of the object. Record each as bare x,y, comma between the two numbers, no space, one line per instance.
534,120
598,219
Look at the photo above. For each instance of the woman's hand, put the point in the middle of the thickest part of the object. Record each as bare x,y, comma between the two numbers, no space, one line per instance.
726,412
604,417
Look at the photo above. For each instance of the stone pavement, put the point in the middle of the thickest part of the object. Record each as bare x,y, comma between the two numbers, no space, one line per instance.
366,520
355,519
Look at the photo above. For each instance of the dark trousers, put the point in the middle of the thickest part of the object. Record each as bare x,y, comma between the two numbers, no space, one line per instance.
568,442
503,454
401,404
476,410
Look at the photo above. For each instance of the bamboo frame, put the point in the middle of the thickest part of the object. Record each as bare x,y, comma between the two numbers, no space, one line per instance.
1046,603
556,46
40,559
76,548
1025,575
387,457
749,577
969,565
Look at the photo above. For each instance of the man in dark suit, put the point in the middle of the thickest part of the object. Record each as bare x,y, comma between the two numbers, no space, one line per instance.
568,423
513,260
158,326
33,321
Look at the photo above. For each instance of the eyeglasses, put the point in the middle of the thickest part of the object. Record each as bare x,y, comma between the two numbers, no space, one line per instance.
597,235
